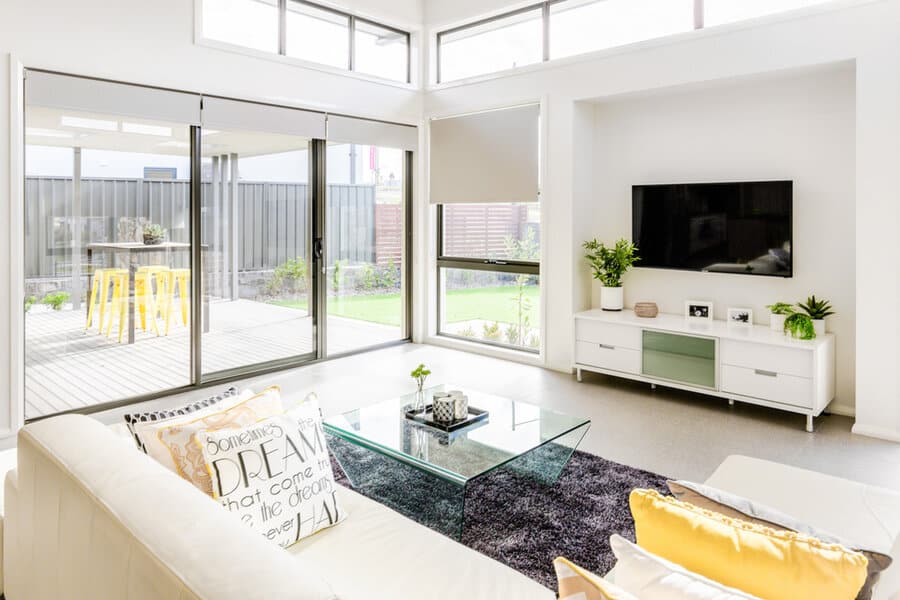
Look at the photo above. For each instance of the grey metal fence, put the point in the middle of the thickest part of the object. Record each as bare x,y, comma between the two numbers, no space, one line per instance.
272,219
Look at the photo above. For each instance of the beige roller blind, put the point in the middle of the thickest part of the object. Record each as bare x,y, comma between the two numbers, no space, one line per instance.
78,94
374,133
248,116
486,157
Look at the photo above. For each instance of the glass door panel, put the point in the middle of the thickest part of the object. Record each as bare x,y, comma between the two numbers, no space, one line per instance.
107,218
683,358
365,222
256,249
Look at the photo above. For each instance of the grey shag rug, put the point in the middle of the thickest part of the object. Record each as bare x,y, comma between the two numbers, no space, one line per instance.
514,519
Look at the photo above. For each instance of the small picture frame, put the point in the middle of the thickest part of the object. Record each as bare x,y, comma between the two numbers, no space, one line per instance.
742,317
698,310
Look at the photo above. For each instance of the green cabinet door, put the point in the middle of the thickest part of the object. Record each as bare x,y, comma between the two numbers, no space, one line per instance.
683,358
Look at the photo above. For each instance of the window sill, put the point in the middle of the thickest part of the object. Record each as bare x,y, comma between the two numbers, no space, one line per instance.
528,358
298,62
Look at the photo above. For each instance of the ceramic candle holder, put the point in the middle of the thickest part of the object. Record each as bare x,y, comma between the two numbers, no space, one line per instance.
461,406
442,407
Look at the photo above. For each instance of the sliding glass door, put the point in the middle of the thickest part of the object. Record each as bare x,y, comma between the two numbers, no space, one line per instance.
256,249
174,240
366,225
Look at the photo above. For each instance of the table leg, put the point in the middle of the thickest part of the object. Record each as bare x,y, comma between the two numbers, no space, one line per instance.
132,270
545,463
425,498
90,272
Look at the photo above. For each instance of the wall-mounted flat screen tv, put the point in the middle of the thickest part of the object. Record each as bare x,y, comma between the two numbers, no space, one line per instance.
740,227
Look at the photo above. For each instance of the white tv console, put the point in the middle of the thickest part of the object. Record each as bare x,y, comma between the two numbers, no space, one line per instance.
744,363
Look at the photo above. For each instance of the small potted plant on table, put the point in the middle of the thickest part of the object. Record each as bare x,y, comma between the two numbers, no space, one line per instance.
800,326
817,311
154,235
420,374
778,312
608,266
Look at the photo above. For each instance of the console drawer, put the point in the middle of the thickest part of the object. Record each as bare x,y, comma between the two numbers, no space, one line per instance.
768,385
780,359
605,356
620,336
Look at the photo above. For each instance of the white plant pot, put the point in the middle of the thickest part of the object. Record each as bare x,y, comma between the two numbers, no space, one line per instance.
611,298
776,322
819,326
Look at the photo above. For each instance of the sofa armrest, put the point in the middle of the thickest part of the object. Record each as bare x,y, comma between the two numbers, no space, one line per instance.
93,519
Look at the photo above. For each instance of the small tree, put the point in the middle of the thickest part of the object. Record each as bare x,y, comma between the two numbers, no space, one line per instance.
610,264
526,249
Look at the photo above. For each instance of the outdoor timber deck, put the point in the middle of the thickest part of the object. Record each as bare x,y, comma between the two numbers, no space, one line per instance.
67,367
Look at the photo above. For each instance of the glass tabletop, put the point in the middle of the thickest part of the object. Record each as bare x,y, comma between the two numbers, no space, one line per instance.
511,430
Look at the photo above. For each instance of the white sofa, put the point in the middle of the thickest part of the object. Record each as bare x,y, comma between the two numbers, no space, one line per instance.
89,517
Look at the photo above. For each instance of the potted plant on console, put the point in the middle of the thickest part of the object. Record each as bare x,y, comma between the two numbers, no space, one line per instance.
800,326
778,312
817,311
608,265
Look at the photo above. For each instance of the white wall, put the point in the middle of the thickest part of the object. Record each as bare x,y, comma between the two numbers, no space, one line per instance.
865,33
794,126
153,43
442,13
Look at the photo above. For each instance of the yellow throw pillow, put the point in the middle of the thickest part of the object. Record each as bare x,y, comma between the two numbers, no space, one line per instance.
577,584
186,454
776,565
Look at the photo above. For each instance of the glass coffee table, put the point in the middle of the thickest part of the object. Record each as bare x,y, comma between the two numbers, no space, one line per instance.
423,472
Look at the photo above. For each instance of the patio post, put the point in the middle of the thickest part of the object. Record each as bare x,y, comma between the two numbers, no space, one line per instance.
235,198
76,229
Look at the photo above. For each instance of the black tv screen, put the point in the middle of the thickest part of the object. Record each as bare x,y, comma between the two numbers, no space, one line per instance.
719,227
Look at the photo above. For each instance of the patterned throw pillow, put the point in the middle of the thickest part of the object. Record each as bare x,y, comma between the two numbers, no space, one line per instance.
179,437
132,419
577,584
275,474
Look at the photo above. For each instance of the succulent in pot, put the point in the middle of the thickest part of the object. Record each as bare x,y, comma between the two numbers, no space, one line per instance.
778,312
817,310
609,265
154,234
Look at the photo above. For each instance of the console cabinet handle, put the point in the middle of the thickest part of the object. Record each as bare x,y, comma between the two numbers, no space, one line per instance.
766,373
606,347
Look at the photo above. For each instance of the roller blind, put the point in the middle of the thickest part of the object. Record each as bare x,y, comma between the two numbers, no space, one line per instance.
374,133
219,113
486,157
79,94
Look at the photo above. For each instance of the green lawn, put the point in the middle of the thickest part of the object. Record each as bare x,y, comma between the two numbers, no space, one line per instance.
488,304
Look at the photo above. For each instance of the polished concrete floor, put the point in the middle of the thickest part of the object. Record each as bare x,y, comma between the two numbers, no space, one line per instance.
673,433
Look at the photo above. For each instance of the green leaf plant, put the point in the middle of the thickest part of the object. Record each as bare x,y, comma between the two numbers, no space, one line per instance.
816,309
800,326
781,308
609,264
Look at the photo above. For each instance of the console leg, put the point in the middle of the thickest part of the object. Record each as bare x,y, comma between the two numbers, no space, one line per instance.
731,402
652,386
809,423
578,374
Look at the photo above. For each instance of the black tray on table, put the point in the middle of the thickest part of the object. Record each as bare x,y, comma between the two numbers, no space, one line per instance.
426,417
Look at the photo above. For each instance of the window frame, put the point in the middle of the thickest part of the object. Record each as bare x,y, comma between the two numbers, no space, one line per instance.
544,6
443,261
282,40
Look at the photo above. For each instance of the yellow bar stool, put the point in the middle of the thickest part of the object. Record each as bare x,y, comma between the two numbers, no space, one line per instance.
182,279
148,299
100,294
119,301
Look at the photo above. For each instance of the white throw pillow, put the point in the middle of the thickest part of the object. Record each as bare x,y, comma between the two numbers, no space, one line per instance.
276,475
650,577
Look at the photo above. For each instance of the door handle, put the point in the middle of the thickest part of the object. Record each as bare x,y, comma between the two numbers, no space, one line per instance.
765,373
317,249
606,347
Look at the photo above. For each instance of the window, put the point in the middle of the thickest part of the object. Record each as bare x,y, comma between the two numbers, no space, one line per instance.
719,12
506,42
558,28
317,35
381,51
489,274
307,31
249,23
578,28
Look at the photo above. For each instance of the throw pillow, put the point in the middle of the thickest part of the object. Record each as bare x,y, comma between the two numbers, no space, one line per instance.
650,577
186,455
577,584
276,474
737,507
132,419
776,565
148,432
